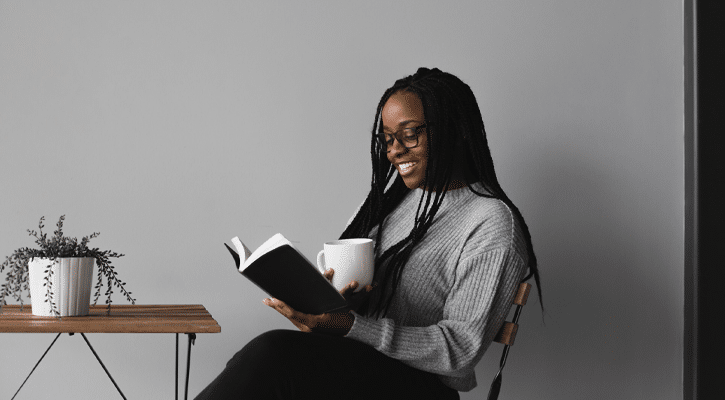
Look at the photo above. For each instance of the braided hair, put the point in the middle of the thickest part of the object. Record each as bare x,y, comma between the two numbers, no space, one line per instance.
452,116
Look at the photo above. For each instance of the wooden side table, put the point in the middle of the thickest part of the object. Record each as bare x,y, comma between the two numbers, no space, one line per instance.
188,319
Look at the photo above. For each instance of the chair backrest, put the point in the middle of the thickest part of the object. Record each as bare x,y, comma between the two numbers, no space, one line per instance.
507,334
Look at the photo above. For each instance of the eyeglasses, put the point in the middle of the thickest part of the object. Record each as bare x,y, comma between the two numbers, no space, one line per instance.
408,137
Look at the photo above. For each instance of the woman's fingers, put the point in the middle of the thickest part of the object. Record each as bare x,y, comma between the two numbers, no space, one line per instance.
349,288
329,273
356,299
298,319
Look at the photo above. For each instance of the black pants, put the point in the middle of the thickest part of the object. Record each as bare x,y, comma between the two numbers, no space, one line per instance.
286,364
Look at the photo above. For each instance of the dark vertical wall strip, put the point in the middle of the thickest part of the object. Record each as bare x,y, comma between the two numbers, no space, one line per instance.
705,185
691,288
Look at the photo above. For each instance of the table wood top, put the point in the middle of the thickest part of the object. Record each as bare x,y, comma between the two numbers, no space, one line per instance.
125,318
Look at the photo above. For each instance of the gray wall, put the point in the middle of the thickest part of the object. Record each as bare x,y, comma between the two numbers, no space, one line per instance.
171,127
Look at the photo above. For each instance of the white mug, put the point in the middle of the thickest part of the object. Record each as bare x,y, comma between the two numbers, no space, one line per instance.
352,260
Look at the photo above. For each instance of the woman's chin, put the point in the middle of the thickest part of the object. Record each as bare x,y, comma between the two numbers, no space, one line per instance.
412,183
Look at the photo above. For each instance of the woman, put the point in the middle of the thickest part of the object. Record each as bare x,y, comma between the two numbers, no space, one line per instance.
445,271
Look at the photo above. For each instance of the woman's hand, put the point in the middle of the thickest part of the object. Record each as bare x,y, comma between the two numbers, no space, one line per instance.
336,324
348,292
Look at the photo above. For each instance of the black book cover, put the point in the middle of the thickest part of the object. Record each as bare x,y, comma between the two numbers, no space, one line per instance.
285,274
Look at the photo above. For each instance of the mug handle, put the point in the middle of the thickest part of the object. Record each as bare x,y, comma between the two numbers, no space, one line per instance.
321,261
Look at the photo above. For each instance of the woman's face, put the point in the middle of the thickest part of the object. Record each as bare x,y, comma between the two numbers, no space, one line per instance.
405,110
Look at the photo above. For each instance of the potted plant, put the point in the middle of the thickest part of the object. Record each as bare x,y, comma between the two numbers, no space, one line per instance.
58,275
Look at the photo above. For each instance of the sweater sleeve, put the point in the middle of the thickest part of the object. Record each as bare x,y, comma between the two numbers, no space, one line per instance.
474,310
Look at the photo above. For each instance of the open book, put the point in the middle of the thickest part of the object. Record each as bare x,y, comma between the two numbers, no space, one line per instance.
280,270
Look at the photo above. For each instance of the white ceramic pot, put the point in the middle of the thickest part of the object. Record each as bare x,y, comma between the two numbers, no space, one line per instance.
71,285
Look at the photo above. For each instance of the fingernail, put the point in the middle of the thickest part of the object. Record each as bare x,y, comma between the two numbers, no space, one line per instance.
265,301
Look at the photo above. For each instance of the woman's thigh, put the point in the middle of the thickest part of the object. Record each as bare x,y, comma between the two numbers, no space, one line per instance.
286,364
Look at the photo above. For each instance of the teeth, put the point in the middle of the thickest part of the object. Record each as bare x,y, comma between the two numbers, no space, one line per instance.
406,166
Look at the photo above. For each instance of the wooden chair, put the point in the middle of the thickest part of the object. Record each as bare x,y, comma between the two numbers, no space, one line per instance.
506,336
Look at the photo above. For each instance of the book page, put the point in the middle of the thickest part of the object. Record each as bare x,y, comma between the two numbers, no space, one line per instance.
242,250
271,244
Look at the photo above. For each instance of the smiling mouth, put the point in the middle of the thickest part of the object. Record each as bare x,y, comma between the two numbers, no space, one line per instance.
406,167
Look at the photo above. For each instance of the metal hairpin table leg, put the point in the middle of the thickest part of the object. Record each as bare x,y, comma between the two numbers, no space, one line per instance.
104,367
36,365
192,339
94,353
176,387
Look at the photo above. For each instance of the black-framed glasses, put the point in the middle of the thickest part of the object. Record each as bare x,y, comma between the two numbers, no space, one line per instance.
408,137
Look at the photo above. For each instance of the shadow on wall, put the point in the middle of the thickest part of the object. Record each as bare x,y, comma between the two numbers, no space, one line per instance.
608,311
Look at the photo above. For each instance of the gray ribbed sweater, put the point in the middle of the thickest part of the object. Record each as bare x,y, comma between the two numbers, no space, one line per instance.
456,289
